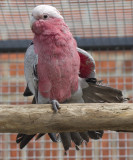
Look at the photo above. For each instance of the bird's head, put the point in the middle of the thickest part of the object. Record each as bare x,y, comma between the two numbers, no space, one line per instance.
43,14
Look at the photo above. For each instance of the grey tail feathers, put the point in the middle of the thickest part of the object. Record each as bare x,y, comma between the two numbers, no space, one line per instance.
78,138
24,139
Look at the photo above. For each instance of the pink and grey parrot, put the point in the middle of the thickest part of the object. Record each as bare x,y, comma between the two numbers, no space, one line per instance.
57,71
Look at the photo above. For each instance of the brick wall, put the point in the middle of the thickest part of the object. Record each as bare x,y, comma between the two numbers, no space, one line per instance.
95,18
114,67
12,80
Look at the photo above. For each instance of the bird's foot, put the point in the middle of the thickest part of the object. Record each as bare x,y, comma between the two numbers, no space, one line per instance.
55,105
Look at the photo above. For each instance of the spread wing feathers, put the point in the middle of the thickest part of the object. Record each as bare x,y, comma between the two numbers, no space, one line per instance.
99,93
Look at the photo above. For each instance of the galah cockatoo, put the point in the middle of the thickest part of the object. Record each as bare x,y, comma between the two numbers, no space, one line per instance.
57,71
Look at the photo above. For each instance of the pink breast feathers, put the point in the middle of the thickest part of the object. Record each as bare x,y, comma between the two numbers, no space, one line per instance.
58,62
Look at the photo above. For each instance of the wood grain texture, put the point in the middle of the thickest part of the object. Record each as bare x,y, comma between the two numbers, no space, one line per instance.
40,118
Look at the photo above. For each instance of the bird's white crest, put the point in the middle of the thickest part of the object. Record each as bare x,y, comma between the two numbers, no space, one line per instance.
39,11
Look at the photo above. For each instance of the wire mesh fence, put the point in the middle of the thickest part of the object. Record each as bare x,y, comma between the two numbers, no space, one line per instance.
94,18
86,19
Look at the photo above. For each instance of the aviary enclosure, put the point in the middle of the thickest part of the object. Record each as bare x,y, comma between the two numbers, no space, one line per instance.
102,27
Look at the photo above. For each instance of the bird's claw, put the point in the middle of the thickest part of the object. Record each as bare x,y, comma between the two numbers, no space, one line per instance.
55,105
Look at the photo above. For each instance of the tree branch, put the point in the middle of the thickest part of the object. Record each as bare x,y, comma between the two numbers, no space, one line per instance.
38,118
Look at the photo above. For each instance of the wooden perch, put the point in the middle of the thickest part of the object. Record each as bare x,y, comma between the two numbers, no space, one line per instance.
38,118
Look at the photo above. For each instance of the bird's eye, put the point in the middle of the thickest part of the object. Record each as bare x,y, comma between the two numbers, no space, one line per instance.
45,16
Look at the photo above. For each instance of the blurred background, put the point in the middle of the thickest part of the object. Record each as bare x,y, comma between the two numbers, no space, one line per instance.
102,27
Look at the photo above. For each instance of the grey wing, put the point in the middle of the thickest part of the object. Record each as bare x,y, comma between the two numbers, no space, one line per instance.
30,63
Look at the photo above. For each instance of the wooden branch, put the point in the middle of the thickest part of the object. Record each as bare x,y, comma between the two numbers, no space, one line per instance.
38,118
